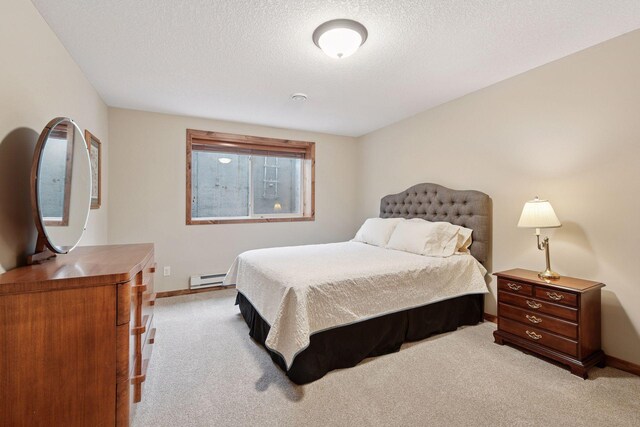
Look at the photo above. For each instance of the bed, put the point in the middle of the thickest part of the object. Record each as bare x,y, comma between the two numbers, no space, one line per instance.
317,308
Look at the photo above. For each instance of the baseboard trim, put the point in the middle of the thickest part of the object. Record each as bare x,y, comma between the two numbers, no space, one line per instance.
623,365
490,318
179,292
614,362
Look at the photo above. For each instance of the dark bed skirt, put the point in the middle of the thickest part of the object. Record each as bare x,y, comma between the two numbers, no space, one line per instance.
346,346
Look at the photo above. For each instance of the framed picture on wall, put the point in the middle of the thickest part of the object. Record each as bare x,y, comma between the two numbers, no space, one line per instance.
95,155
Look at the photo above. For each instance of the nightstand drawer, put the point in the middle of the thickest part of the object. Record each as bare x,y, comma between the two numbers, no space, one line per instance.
557,326
540,306
515,287
539,336
556,296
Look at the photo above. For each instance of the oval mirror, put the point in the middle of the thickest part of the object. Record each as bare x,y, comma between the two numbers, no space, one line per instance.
60,186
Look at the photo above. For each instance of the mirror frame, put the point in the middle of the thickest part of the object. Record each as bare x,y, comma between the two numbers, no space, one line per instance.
43,237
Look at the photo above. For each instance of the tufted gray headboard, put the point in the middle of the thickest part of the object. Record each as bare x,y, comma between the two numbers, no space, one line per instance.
433,202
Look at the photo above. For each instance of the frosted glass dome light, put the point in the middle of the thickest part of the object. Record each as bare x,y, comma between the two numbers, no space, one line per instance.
340,38
340,42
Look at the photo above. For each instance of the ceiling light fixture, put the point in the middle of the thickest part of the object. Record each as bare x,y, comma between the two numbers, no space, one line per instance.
340,38
299,96
224,160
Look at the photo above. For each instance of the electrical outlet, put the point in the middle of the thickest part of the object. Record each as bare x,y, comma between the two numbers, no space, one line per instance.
167,270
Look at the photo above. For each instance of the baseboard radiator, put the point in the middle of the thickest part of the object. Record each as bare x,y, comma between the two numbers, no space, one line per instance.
206,281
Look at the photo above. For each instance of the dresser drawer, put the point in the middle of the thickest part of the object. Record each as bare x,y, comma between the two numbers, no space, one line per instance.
557,326
515,287
147,348
540,306
142,295
148,273
138,290
147,297
539,336
149,330
148,303
559,297
134,341
139,376
123,303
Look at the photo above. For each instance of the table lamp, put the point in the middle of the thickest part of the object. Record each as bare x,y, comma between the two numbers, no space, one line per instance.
539,214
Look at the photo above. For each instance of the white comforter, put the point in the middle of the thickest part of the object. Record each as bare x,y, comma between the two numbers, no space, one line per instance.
302,290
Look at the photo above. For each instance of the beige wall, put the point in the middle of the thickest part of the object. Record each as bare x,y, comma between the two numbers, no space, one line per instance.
38,81
568,131
147,195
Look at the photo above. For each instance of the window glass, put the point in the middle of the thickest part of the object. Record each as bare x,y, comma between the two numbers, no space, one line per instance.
219,185
276,185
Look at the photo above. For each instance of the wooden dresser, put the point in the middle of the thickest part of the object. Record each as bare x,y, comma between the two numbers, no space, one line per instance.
76,335
557,319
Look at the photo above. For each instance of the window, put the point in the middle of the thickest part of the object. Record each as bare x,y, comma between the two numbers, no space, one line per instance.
238,178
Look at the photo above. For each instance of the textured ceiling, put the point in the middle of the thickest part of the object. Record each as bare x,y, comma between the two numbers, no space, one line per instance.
241,59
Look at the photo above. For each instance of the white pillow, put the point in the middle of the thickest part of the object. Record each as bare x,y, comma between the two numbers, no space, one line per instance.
440,239
464,240
377,231
411,236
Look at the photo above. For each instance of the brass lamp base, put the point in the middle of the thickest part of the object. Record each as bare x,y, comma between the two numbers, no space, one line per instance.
548,274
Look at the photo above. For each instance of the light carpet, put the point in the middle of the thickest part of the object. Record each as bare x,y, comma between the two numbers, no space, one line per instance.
207,371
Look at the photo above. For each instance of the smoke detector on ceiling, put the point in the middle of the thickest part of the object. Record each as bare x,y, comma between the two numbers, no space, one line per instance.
299,96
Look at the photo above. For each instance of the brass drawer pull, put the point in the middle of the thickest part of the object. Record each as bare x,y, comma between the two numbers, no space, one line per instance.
533,319
554,296
534,304
533,335
514,287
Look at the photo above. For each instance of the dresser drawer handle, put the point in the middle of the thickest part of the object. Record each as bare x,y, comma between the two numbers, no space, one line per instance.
142,377
534,304
514,287
139,330
139,288
138,379
533,335
554,296
533,319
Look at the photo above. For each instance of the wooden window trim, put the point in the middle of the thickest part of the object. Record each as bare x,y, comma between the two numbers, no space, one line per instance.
246,144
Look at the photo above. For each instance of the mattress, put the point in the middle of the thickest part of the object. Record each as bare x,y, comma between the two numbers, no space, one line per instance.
303,290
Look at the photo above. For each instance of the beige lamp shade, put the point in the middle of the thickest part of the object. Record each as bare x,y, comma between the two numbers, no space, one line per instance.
538,214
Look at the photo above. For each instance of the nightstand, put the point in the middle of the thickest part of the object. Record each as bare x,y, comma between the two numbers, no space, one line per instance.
558,319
